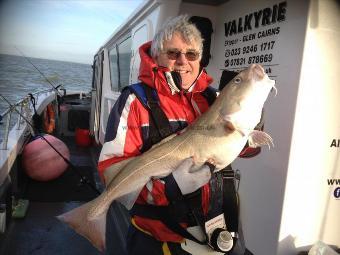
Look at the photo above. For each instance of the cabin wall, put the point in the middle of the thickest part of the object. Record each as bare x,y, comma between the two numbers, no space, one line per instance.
108,96
311,208
263,178
286,203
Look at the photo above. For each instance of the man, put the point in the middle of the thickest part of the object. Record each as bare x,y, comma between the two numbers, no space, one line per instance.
170,66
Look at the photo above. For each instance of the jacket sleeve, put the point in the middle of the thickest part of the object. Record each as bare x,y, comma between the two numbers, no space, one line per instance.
124,139
123,133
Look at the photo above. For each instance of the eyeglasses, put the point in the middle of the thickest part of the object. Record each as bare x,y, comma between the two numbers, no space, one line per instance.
190,55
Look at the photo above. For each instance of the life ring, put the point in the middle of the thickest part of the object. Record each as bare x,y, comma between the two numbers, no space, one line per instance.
49,119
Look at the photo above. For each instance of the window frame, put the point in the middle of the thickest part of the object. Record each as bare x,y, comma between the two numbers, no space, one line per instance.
115,46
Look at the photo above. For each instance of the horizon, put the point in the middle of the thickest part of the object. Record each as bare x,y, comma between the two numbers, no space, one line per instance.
71,31
21,56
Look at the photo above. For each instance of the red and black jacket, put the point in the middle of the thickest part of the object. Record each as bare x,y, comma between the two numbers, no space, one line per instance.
128,128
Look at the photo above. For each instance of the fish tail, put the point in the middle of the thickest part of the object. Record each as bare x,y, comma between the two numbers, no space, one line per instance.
92,229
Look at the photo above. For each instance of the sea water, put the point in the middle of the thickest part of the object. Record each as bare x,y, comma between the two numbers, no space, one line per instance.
18,77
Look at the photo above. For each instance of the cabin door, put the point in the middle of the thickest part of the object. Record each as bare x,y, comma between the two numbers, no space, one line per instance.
96,95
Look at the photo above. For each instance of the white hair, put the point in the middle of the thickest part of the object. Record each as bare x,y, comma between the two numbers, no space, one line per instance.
181,25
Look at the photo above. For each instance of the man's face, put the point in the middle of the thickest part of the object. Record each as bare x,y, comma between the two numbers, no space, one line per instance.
184,64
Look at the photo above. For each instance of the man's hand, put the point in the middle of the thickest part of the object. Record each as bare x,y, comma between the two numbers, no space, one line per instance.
188,181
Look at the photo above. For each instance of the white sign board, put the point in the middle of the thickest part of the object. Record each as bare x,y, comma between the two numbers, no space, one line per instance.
252,38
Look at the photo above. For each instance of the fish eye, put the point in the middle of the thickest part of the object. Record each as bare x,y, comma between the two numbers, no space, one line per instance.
237,80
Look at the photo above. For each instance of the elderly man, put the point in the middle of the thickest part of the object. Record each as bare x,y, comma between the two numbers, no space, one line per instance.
170,211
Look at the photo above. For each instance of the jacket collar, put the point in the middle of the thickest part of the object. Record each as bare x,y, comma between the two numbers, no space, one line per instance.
154,76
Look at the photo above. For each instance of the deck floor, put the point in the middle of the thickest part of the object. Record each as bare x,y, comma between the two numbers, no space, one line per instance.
39,232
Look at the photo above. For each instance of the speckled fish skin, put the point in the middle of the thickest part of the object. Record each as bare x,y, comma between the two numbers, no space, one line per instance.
219,135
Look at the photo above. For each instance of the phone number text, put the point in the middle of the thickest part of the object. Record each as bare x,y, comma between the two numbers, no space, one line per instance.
257,59
249,49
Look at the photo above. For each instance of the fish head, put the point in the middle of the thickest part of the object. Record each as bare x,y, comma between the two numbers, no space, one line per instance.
242,99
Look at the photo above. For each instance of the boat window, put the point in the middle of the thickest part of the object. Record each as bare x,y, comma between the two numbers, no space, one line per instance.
94,73
124,51
114,68
139,37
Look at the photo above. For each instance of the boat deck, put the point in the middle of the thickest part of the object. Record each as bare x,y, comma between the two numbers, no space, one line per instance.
39,232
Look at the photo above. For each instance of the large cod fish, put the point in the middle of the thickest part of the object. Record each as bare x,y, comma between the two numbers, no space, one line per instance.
218,135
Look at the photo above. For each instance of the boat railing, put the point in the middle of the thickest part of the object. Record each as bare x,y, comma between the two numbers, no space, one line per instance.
23,109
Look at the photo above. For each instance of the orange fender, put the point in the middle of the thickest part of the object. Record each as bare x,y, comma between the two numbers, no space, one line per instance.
49,119
43,163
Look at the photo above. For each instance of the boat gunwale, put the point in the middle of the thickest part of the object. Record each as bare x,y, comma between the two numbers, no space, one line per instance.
15,137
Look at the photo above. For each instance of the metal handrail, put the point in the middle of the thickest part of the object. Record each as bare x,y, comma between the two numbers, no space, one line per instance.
24,107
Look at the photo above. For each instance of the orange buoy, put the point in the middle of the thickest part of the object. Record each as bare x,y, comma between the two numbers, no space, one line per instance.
49,119
41,162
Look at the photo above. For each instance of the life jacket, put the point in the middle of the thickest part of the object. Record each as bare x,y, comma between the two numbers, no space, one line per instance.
159,123
188,208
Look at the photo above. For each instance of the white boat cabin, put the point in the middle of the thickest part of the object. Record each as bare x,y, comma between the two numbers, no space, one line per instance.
286,203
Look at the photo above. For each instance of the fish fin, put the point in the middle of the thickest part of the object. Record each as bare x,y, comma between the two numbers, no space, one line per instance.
129,199
258,138
228,122
230,125
93,230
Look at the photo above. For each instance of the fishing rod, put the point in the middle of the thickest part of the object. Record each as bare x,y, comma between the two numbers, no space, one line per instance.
83,179
42,74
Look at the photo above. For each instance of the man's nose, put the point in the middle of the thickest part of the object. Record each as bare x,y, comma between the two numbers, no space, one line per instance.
181,59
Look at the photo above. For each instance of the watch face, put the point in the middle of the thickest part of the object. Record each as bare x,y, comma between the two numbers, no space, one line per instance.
225,241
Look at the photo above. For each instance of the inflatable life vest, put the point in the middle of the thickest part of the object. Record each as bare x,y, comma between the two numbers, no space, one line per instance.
221,217
49,119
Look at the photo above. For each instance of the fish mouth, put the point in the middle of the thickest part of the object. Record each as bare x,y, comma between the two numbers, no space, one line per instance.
273,87
270,81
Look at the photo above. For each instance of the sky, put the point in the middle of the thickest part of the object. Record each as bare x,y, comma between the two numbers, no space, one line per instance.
68,30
